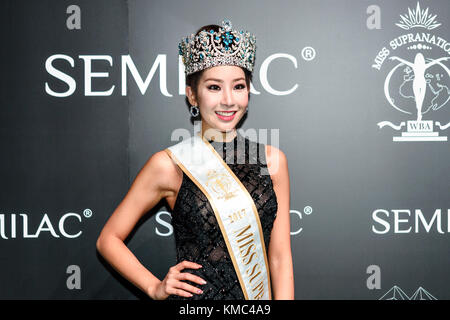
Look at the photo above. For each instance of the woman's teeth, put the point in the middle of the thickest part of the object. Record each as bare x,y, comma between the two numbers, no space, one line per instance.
225,113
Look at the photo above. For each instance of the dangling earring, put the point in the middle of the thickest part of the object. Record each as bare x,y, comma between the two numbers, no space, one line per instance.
194,111
246,110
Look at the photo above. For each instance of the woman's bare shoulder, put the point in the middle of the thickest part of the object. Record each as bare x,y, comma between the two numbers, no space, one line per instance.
276,161
159,161
274,153
162,170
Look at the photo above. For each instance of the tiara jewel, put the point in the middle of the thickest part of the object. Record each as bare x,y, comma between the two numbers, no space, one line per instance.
225,47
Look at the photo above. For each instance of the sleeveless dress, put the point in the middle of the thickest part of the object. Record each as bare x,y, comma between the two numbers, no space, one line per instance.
198,237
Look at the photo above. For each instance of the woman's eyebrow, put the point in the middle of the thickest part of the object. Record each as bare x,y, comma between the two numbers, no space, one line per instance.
219,80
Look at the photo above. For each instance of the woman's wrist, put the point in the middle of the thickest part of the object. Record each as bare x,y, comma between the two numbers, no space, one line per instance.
151,288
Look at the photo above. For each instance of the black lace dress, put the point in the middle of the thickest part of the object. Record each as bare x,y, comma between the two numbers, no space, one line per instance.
197,234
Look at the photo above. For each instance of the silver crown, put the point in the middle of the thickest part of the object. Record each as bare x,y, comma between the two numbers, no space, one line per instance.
226,47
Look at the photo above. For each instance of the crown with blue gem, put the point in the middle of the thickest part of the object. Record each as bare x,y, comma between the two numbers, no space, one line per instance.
210,48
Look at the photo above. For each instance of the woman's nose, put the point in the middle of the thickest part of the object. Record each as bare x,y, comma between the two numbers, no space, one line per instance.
227,97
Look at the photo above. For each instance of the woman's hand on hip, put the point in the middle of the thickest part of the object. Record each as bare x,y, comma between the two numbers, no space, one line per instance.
173,283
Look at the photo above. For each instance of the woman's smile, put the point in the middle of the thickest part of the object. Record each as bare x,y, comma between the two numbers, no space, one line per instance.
226,115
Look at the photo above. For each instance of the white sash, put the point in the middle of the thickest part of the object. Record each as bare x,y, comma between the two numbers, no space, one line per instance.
234,209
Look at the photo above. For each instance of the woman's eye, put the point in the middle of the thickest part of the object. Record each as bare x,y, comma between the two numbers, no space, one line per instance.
213,87
240,86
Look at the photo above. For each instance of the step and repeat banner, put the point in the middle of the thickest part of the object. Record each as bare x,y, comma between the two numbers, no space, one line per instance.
355,93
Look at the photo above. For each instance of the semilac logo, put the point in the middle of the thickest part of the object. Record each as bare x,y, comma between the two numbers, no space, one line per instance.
417,83
68,225
296,222
127,66
401,221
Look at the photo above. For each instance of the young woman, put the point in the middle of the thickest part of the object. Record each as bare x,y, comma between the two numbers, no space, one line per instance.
229,195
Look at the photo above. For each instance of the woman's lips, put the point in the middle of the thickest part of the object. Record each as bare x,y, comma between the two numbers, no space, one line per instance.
226,115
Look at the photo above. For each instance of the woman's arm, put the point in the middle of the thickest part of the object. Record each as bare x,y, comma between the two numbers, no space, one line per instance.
436,61
403,61
280,256
152,184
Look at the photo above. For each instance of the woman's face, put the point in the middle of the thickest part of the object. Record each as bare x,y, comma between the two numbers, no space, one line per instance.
221,89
